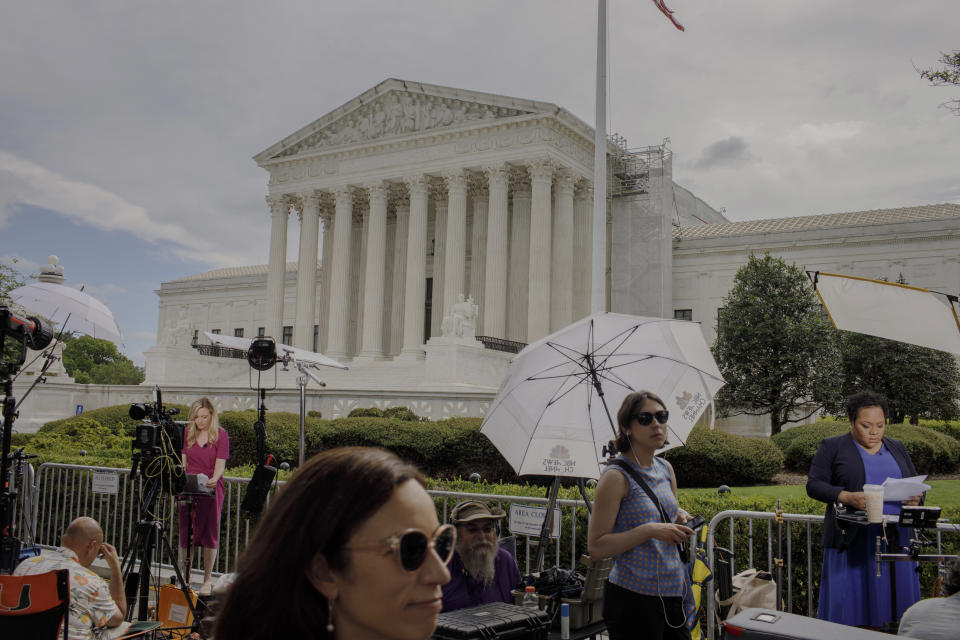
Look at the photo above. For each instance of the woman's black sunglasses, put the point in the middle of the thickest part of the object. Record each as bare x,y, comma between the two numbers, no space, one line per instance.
411,546
644,418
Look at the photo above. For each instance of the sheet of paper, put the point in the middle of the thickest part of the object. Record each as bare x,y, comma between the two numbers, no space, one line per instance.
897,490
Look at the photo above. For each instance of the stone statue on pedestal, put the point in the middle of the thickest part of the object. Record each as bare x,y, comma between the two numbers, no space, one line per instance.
461,321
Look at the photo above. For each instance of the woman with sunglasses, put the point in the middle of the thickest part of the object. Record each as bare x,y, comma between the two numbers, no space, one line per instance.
351,548
648,588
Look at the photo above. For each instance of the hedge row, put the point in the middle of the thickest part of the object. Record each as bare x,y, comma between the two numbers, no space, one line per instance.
932,451
711,458
442,449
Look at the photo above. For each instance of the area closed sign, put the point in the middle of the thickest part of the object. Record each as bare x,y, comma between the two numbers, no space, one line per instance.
527,521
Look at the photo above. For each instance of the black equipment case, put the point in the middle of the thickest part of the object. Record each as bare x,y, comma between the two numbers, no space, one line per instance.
767,624
494,620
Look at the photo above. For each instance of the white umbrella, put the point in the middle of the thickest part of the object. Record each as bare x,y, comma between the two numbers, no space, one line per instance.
555,411
70,307
890,310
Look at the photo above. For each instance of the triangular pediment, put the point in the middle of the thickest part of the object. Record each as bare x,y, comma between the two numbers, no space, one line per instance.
398,108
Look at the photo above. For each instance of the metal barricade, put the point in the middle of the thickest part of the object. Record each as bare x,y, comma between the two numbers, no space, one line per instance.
62,492
760,541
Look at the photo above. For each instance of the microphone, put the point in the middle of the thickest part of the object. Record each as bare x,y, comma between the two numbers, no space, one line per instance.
36,333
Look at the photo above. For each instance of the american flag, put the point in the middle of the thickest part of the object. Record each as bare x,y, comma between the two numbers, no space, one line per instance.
667,12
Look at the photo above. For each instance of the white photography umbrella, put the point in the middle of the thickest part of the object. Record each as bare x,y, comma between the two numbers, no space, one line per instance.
890,310
556,410
69,307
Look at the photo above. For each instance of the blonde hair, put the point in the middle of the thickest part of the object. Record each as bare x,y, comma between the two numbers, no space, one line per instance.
214,430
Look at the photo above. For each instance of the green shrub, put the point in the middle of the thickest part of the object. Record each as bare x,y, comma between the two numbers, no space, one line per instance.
283,435
712,458
102,446
369,412
930,450
314,414
950,428
116,418
401,413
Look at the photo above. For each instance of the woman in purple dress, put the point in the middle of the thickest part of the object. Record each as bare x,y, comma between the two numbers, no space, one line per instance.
205,451
850,591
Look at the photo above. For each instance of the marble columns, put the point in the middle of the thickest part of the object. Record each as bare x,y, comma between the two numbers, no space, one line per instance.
415,289
478,247
561,273
538,299
277,267
455,249
340,274
439,256
371,344
582,248
519,280
307,271
399,281
494,308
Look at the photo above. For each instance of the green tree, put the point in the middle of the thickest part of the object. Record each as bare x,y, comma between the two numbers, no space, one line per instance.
775,346
92,360
917,382
949,73
10,279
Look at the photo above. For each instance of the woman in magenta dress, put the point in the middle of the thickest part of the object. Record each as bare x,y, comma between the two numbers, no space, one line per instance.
205,451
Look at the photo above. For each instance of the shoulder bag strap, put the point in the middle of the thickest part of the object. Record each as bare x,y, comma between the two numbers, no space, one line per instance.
623,464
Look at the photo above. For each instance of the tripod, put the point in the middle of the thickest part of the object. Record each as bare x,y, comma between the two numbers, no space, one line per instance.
143,546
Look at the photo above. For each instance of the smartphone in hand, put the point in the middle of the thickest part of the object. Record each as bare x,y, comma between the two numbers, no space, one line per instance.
696,523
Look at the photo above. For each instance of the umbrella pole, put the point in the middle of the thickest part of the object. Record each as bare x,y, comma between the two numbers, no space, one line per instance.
599,388
547,523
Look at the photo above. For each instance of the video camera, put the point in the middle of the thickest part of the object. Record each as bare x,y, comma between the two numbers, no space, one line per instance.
157,443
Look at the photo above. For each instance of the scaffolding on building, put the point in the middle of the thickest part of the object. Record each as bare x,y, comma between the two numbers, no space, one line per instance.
630,169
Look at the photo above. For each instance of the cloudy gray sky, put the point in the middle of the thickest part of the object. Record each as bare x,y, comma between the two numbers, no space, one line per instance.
129,126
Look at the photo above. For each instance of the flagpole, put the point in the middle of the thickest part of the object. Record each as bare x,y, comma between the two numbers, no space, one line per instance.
598,298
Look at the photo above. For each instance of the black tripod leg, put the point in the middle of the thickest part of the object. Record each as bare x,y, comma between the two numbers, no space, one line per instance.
582,485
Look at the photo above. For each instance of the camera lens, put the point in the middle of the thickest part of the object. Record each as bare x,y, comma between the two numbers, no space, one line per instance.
139,411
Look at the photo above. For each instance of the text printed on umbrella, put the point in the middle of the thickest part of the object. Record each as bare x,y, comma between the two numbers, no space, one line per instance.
691,405
559,461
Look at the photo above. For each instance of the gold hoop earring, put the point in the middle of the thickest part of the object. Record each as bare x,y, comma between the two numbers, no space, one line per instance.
330,616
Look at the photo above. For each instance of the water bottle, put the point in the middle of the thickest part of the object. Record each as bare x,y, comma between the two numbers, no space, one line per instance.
565,621
530,598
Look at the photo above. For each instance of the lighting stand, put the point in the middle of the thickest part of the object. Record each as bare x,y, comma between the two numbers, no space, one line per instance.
305,371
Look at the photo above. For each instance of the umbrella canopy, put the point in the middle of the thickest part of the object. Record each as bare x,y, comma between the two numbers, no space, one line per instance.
890,310
70,307
308,357
548,417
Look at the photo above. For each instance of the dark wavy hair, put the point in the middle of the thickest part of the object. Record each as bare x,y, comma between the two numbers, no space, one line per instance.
863,400
318,510
629,406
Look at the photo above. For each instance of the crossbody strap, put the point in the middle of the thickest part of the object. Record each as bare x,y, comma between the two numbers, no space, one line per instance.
623,464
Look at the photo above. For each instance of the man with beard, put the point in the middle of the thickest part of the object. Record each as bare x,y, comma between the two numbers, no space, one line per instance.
480,570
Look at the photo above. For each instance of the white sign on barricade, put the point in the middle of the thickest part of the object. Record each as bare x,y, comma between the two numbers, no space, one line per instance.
106,482
527,521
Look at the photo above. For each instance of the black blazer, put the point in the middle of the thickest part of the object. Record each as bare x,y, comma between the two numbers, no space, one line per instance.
837,467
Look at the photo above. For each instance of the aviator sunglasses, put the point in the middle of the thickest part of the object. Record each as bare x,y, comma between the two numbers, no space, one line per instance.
644,418
411,546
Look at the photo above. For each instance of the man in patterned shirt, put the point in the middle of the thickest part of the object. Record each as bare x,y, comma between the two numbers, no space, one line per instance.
96,610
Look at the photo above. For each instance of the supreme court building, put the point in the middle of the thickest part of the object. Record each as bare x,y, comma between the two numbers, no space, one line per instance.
430,215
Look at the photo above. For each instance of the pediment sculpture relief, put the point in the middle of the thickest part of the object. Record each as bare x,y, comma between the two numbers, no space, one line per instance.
398,114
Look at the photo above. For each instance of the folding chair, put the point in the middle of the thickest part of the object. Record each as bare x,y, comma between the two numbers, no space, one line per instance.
35,606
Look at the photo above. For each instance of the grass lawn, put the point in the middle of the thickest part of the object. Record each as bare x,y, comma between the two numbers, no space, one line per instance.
945,493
